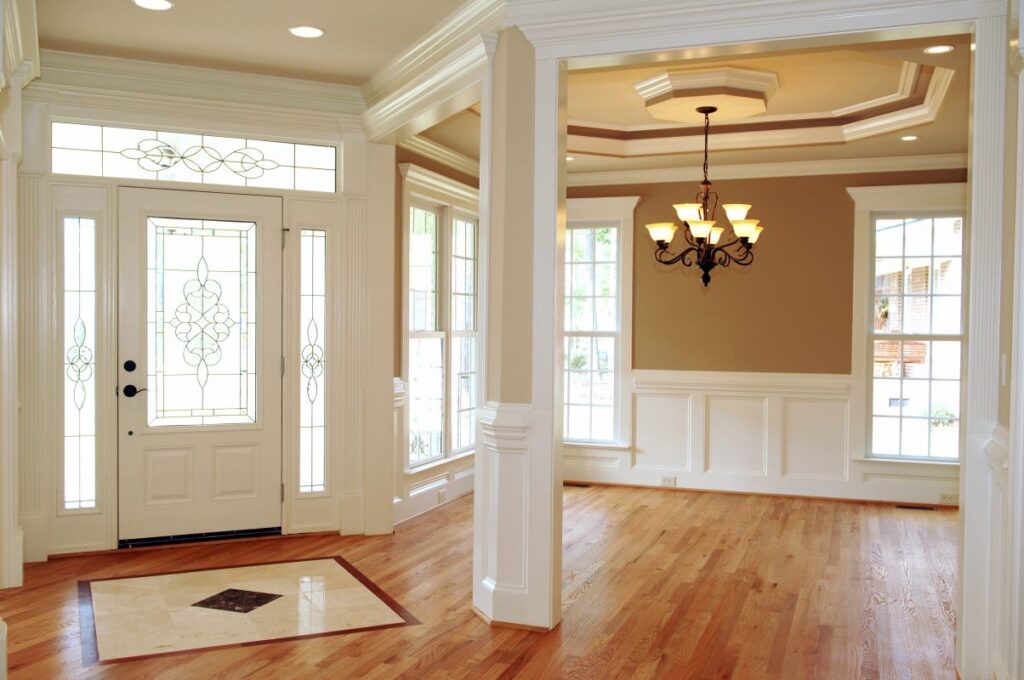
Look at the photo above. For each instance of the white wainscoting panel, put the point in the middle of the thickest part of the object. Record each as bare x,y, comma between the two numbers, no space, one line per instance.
737,435
774,433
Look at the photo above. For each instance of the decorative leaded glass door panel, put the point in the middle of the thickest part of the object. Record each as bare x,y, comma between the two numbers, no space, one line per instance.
199,374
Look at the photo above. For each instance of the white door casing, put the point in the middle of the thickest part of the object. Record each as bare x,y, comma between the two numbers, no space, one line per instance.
199,445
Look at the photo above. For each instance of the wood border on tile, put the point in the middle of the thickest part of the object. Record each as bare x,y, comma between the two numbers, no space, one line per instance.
87,619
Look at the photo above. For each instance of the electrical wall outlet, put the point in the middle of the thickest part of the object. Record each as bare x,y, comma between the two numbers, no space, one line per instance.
668,480
442,495
949,499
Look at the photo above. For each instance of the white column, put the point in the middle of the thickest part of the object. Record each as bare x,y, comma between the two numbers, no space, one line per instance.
518,493
982,390
379,460
10,157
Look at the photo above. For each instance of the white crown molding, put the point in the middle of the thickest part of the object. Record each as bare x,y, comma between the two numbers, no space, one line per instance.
433,93
427,182
590,29
461,27
441,154
846,166
925,112
762,82
85,71
908,76
20,42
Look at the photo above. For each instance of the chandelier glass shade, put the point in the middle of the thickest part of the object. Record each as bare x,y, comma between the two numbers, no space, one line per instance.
705,249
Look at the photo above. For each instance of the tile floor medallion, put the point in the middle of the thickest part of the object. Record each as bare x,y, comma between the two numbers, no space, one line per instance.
122,618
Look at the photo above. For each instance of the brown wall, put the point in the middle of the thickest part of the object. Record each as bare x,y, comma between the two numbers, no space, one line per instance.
789,312
406,156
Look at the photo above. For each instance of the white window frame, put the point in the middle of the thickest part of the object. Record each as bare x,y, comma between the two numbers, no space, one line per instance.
898,201
450,199
588,213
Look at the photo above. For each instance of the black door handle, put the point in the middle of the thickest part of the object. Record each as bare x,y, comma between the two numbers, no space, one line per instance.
131,390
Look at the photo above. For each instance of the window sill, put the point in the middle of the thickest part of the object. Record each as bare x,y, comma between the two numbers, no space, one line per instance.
440,462
611,446
940,463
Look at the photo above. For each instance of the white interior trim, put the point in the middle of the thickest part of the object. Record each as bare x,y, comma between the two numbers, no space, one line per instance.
618,210
842,166
428,148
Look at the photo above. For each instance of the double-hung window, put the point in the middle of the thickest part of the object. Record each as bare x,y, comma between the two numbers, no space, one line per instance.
916,335
595,378
442,319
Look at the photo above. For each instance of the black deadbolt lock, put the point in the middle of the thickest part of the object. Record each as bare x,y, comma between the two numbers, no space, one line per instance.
129,366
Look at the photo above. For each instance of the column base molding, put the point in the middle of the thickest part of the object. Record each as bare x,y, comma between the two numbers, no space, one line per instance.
506,624
516,559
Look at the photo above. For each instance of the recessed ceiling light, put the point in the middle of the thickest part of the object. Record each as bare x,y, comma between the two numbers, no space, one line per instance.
909,138
154,4
305,31
570,158
938,49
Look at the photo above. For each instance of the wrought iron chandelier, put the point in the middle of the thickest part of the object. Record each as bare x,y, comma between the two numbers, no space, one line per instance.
705,249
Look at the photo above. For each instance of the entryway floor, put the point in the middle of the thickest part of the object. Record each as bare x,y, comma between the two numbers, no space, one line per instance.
656,584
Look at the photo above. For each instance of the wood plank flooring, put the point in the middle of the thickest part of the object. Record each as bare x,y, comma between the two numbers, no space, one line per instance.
657,584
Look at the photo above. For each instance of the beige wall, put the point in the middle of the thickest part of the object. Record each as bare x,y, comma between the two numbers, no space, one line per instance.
789,312
406,156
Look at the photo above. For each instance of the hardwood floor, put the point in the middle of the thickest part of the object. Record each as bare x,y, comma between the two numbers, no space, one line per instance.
657,584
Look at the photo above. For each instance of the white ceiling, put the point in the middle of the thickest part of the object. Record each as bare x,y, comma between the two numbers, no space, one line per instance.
360,36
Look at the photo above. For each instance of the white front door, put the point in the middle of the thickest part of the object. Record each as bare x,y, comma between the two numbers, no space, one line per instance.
199,362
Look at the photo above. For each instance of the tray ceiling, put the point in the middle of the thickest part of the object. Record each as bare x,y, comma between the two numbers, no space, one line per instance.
831,104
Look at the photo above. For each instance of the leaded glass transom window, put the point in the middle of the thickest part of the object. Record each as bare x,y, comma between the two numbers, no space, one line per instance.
79,302
313,328
916,337
103,151
201,326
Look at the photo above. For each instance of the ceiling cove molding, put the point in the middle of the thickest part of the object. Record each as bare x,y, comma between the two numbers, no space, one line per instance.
439,153
850,166
450,35
445,88
556,29
427,182
591,141
69,69
19,54
113,107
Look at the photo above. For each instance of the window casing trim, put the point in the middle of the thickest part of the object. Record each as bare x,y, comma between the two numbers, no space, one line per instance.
871,203
591,212
450,200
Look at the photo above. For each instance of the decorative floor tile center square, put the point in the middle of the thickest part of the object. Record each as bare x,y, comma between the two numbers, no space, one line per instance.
234,600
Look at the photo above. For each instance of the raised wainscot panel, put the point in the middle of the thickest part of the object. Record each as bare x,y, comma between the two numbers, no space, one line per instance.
816,438
168,475
663,430
737,435
236,473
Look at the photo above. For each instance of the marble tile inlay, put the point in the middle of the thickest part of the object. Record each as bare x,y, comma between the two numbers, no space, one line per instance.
193,610
234,600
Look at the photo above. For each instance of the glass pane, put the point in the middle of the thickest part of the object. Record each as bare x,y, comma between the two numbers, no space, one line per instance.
463,276
888,314
885,436
188,157
423,270
945,439
949,237
946,315
915,401
426,399
918,234
914,437
201,322
886,394
464,397
948,277
313,334
888,238
946,359
917,315
79,302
